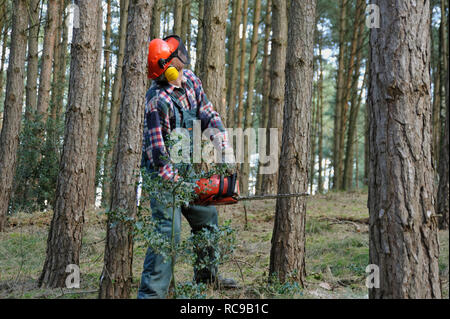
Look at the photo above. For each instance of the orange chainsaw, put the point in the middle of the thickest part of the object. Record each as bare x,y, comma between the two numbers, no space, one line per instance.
224,190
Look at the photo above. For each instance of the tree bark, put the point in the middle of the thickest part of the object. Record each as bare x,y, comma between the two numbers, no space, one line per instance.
320,142
47,59
9,138
265,87
177,16
116,278
402,224
250,94
64,239
105,102
115,101
213,57
32,64
2,64
337,176
277,82
186,23
155,28
287,255
199,44
233,63
239,117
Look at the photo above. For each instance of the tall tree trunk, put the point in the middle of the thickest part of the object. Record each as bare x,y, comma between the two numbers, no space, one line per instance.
116,278
402,224
354,102
186,23
443,61
443,188
240,109
177,16
105,102
155,28
47,59
9,138
64,239
436,68
337,176
313,132
213,57
277,82
237,4
32,64
250,95
320,142
115,101
265,87
199,44
4,35
287,256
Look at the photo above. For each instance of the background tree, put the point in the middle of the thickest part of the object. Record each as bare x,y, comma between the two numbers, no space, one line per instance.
116,278
9,137
287,255
403,236
277,81
64,239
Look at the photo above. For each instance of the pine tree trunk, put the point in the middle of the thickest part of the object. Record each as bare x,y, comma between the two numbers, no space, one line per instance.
155,28
186,23
213,57
177,16
287,256
313,132
9,137
116,278
105,102
233,63
199,44
250,94
320,142
277,82
32,64
443,189
115,102
47,58
64,239
402,225
436,68
4,34
239,117
337,177
265,88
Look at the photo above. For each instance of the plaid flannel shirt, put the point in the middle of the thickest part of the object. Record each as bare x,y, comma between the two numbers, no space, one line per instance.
159,111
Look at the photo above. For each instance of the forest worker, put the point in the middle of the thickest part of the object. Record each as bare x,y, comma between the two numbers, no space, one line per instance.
175,98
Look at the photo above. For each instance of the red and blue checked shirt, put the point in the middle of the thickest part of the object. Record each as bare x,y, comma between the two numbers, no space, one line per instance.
158,120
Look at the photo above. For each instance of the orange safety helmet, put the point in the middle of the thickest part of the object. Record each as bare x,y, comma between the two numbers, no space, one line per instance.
161,52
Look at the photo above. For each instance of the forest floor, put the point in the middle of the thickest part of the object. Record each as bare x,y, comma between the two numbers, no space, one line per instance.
337,253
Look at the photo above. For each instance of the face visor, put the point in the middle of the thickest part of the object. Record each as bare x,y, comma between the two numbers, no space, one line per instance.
180,51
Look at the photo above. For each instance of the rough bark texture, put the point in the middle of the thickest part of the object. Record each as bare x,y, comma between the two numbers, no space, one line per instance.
4,36
64,239
277,81
116,278
32,64
9,138
402,224
115,103
234,63
250,95
47,58
320,115
213,57
287,256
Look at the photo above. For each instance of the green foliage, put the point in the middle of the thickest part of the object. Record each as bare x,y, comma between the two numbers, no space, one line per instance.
275,288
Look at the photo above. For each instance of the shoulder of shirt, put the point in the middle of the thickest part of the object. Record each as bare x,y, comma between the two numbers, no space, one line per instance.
157,99
189,75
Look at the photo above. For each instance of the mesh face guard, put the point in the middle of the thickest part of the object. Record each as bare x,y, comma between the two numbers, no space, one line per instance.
180,52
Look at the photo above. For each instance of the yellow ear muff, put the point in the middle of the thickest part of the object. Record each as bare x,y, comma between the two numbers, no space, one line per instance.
171,73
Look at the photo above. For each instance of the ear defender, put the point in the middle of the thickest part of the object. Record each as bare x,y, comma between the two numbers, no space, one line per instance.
171,73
